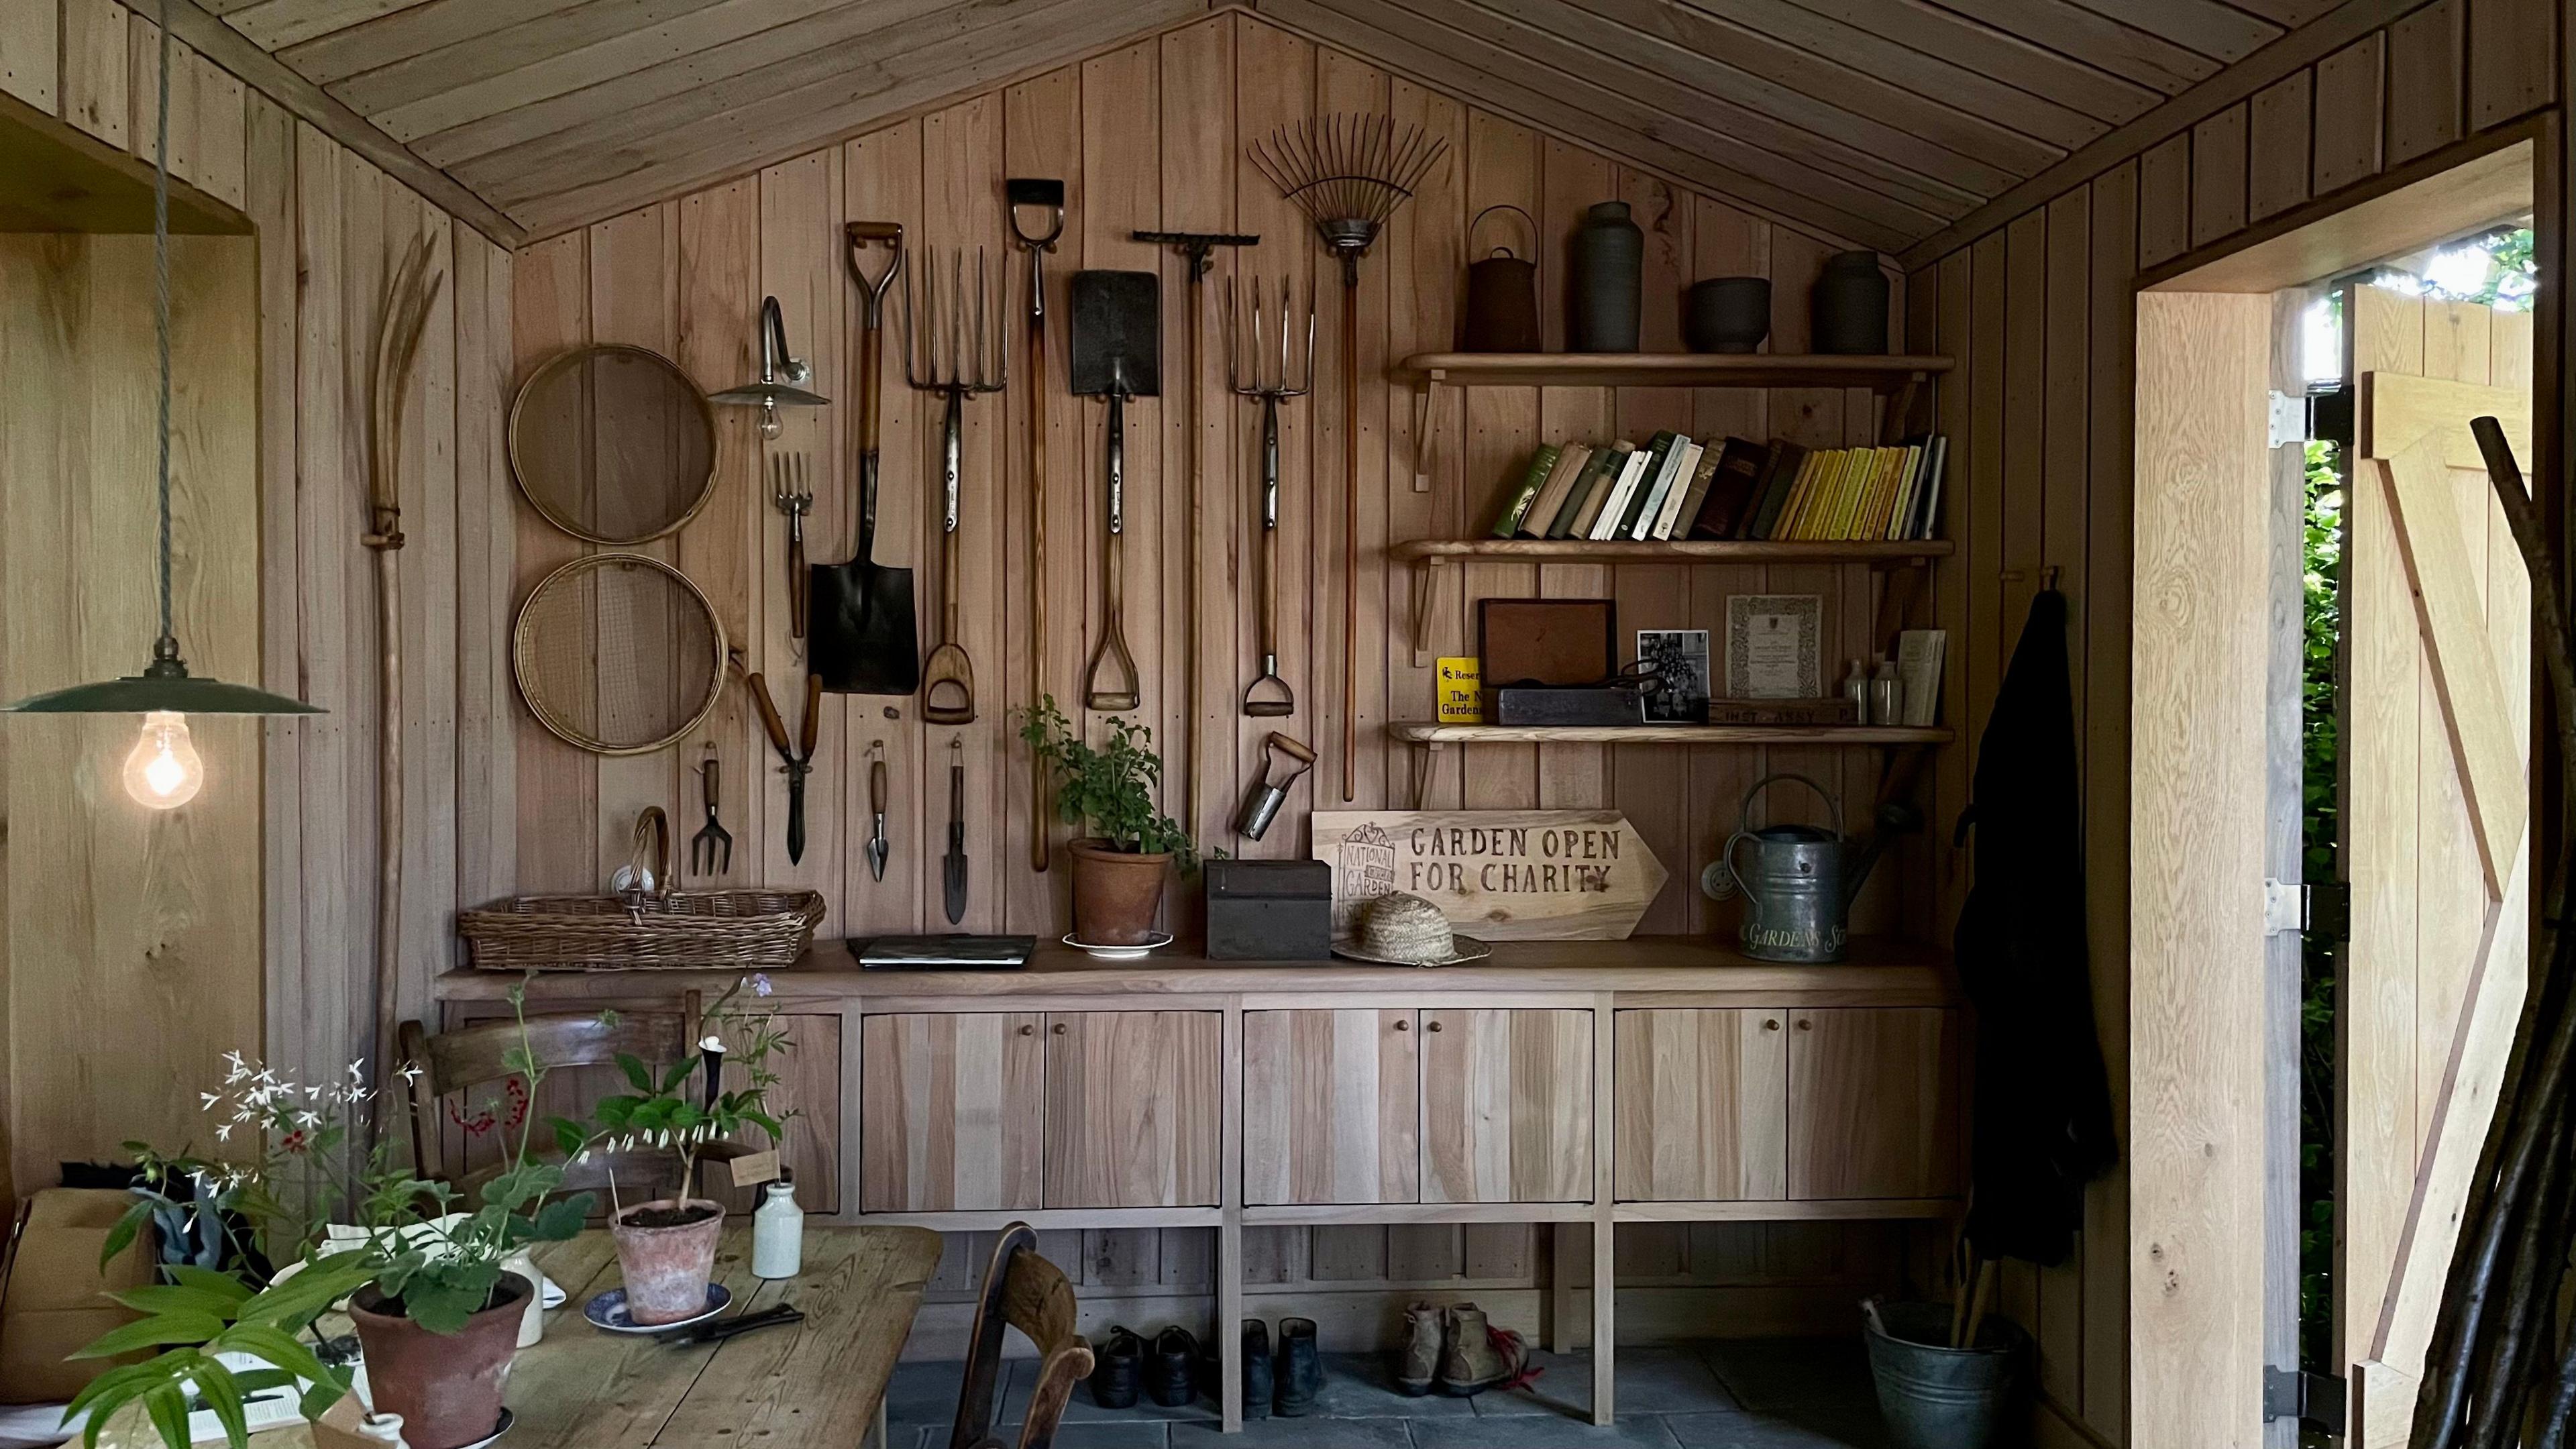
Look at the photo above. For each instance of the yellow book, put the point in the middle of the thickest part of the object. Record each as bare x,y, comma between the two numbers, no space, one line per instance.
1820,502
1872,522
1909,479
1836,523
1786,525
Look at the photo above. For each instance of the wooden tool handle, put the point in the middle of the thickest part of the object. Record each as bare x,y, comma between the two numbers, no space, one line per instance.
1270,593
1350,530
813,728
769,719
1037,558
948,586
799,583
708,774
877,786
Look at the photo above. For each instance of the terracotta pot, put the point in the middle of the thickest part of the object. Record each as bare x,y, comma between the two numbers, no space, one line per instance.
1116,893
667,1268
446,1386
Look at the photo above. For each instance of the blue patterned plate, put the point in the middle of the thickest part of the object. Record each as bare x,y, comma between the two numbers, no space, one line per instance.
607,1312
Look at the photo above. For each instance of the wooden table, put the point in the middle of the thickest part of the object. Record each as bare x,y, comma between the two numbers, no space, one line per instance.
816,1383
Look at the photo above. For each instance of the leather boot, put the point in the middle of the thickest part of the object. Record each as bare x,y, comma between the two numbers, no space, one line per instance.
1171,1379
1420,1361
1476,1356
1257,1379
1301,1368
1120,1364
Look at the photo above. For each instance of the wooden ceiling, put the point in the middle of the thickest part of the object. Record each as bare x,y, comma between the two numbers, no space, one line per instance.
1874,121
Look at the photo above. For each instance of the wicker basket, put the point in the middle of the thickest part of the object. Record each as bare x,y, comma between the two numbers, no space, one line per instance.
645,928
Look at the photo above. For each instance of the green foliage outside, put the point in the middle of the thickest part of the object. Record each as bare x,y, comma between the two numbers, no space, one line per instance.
2321,740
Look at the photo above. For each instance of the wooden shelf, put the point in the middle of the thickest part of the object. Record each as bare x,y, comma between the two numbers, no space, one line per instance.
1436,735
1697,551
1665,369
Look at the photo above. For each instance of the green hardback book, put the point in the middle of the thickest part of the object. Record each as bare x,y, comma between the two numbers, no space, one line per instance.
1508,522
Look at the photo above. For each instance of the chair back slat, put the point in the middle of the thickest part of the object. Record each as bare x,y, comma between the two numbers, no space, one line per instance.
458,1061
1022,1290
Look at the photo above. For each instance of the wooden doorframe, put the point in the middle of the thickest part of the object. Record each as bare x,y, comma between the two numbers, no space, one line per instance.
2214,589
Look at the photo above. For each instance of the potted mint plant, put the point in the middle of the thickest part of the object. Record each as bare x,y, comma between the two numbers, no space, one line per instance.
1120,866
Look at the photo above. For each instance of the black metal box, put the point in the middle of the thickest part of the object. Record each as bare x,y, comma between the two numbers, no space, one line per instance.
1269,910
1545,705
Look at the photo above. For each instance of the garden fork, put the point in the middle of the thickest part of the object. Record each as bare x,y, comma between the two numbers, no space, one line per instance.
792,489
1251,373
959,371
711,849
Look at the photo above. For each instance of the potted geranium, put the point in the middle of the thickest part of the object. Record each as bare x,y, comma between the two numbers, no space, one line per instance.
666,1248
1119,868
435,1309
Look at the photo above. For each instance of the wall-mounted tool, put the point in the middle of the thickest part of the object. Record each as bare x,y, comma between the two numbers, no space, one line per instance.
948,679
791,487
1262,805
1117,354
779,375
1250,372
1197,248
877,846
796,761
711,849
863,637
1043,199
952,873
1348,174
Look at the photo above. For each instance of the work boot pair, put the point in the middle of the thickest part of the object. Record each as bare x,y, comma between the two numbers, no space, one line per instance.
1167,1373
1458,1352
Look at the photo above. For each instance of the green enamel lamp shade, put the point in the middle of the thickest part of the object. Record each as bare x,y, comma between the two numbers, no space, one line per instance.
164,684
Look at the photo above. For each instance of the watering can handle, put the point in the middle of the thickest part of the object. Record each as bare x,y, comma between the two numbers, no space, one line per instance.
1744,812
1726,862
1501,206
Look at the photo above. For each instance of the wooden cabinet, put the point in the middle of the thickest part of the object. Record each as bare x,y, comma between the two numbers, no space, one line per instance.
1506,1106
1332,1106
1132,1108
1873,1102
1703,1105
950,1107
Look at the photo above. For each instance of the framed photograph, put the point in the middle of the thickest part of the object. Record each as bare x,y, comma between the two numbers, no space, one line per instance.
1775,646
1680,657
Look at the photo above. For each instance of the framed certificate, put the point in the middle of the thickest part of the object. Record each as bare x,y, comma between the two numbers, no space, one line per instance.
1775,646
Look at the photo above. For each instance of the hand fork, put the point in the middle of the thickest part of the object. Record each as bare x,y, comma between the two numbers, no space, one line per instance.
792,489
711,849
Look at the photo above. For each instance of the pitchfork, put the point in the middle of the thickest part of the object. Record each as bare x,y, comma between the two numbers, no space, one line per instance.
926,368
1269,696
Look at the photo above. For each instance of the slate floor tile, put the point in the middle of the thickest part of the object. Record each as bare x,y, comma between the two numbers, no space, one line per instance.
1307,1432
1542,1431
1362,1386
1653,1379
1772,1373
1763,1431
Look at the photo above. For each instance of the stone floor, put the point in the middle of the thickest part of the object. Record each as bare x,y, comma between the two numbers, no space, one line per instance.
1711,1394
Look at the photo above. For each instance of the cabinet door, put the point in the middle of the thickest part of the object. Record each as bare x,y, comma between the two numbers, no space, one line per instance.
1506,1106
1703,1106
1873,1103
1132,1108
1332,1106
809,1086
949,1112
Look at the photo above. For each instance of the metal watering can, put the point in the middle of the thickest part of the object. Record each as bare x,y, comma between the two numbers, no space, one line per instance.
1797,902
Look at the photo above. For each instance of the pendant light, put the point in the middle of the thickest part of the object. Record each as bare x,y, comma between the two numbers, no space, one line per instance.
163,771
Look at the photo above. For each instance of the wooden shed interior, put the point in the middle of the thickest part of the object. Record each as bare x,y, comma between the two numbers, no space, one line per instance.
2040,181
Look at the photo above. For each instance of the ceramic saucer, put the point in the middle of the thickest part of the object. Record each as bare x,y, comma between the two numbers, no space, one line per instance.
607,1312
507,1418
1136,952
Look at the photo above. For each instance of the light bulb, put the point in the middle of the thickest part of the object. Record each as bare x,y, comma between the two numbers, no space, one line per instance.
770,426
164,772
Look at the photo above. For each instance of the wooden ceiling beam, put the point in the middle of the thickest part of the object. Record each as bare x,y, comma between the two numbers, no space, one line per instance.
1542,109
2097,40
265,73
2216,29
273,25
1917,25
330,59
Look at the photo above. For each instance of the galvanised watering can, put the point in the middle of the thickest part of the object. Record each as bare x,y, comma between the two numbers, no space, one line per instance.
1797,901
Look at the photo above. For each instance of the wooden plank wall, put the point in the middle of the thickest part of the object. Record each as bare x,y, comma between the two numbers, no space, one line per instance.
330,227
1150,136
2042,409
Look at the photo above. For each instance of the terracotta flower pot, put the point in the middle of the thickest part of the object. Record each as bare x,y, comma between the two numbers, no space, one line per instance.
1116,893
667,1268
446,1386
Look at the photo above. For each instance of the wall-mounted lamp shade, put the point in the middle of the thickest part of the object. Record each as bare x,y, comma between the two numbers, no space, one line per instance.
146,694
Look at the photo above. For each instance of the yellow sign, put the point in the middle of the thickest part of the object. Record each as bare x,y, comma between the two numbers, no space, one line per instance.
1460,692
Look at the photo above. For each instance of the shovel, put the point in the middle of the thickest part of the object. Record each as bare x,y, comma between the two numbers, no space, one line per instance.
862,639
1117,354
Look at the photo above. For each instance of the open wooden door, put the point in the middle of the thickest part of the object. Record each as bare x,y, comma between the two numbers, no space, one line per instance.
2436,748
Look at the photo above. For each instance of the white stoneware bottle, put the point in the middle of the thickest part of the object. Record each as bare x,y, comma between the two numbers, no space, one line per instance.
777,1233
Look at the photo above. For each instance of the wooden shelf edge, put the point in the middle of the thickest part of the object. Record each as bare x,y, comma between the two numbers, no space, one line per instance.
1438,734
1666,369
1714,551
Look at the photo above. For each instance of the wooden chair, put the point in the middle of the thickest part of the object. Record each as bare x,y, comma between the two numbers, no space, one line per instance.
1032,1295
453,1063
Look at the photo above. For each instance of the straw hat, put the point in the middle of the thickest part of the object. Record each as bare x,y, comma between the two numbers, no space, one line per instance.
1403,930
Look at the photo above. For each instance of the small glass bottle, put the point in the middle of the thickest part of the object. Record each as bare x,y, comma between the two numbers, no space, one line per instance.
1886,694
777,1232
1856,692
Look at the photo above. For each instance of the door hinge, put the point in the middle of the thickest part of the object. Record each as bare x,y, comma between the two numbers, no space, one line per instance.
2314,909
2320,414
2316,1400
2289,419
2285,908
2330,910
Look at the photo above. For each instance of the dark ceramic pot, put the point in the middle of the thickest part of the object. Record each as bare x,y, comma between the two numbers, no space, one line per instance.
1728,314
1116,893
446,1386
1607,262
1848,309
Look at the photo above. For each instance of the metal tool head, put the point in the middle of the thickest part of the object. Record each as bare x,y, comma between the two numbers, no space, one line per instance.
861,236
955,353
791,487
1044,194
1253,367
1198,246
711,849
1117,333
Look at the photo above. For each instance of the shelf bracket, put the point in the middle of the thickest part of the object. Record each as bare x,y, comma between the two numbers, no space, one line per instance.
1424,604
1422,436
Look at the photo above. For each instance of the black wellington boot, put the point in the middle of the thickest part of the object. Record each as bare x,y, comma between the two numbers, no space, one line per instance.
1301,1368
1121,1364
1257,1378
1171,1378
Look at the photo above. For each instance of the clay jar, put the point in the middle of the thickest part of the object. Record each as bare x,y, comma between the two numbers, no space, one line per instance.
1116,893
666,1269
1728,314
445,1386
1608,265
1848,309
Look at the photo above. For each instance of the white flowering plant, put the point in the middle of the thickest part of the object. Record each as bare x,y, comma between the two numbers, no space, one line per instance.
685,1107
431,1260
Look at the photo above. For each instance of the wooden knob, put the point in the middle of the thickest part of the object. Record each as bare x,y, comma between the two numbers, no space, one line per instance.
1431,1026
1771,1023
1805,1025
1060,1028
1402,1025
1027,1030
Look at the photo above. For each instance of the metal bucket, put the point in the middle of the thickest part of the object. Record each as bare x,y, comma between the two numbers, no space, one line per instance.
1936,1397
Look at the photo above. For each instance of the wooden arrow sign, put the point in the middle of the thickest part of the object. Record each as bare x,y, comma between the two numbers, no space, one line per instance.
1501,875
